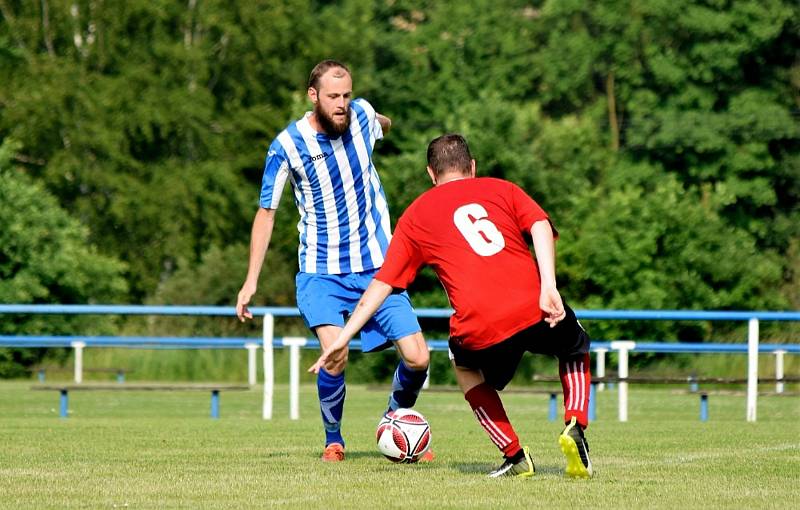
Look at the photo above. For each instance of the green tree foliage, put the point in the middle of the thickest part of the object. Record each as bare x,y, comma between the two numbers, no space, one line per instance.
148,119
46,258
662,136
700,88
210,283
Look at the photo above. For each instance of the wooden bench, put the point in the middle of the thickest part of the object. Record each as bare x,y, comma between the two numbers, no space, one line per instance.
673,380
692,380
215,389
41,370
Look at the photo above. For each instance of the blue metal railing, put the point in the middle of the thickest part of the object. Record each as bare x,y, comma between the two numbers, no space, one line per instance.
155,342
172,342
752,348
676,315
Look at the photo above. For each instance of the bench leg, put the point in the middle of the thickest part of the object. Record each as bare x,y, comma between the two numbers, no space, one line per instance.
593,402
64,404
703,407
215,403
553,408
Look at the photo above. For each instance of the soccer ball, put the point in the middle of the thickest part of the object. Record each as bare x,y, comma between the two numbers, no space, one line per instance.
403,436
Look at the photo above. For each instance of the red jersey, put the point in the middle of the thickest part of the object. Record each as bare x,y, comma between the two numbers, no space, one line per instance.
473,232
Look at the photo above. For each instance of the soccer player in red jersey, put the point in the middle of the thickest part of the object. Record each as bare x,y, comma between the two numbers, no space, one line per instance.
474,233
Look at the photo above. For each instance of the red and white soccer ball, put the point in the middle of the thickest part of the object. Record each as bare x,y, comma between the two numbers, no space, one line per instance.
403,436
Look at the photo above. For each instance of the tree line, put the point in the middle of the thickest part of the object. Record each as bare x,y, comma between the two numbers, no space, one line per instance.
663,137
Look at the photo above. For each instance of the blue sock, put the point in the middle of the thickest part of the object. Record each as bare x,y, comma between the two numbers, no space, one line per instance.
331,390
405,386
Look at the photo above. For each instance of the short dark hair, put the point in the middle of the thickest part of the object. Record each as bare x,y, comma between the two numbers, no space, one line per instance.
322,68
449,152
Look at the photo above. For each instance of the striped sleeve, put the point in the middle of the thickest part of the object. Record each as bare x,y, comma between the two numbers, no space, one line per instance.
374,126
276,170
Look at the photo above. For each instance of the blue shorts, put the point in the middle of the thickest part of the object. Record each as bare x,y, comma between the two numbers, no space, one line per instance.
330,298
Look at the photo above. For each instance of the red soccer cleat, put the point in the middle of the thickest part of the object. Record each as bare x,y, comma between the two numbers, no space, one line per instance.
334,452
427,457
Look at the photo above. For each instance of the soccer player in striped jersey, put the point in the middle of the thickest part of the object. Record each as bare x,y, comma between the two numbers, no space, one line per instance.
344,233
474,233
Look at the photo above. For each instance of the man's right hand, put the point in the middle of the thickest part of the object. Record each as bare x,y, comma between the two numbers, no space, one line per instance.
552,305
335,351
243,300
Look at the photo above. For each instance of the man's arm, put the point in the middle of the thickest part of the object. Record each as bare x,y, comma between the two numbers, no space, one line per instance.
385,122
260,236
373,298
550,300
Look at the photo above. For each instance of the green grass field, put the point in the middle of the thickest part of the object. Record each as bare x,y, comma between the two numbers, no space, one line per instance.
161,450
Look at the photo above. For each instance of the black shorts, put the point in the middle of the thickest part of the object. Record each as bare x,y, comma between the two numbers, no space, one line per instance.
499,362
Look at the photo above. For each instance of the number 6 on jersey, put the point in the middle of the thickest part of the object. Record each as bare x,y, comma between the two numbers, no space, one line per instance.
481,234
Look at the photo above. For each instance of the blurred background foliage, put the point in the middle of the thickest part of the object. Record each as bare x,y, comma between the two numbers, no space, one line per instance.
662,136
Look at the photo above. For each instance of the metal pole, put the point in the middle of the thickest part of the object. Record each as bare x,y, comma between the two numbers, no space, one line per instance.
779,370
601,367
427,382
78,346
215,404
294,344
752,369
623,346
694,386
269,369
251,363
703,407
64,403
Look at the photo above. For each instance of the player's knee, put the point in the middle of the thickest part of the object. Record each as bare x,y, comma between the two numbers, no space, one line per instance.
419,361
337,366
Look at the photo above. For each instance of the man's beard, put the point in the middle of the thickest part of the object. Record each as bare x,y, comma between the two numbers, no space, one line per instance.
329,125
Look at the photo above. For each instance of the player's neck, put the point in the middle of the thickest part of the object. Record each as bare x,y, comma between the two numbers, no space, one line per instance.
450,177
314,123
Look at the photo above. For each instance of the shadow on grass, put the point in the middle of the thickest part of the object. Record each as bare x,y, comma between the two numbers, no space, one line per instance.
353,454
473,467
364,454
549,470
483,468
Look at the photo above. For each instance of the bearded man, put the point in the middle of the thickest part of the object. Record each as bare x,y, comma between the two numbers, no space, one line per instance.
344,233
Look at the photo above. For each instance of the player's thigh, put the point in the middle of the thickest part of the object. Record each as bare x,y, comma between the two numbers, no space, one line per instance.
414,351
566,340
497,363
327,335
323,299
394,320
467,378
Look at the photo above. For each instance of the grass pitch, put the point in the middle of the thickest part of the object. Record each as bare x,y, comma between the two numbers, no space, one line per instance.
161,450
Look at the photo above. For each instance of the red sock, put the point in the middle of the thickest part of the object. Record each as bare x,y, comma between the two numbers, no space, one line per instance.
575,380
488,409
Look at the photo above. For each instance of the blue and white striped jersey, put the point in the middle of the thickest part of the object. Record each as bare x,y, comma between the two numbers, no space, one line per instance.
344,218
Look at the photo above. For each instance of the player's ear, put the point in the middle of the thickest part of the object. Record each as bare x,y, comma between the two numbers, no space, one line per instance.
313,95
431,174
472,169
